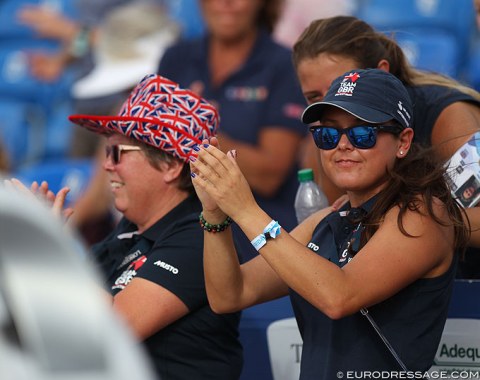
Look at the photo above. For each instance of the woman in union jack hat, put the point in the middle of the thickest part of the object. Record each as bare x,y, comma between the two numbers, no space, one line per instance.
152,262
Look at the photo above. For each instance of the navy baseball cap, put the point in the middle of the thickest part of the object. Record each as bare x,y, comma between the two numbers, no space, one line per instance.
372,95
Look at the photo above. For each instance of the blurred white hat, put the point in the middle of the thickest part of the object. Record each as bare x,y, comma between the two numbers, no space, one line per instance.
130,43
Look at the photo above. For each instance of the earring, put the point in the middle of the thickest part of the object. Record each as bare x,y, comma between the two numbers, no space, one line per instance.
401,153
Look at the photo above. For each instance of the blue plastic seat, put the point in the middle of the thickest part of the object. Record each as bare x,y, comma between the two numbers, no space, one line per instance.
457,17
473,68
74,173
30,132
10,27
17,120
16,80
436,51
454,18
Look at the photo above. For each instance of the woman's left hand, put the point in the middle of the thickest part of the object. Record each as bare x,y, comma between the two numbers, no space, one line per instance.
219,176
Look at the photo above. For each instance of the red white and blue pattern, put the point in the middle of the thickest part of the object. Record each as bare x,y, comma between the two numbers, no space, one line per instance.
159,113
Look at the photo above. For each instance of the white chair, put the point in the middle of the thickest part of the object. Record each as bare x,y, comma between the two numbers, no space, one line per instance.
285,349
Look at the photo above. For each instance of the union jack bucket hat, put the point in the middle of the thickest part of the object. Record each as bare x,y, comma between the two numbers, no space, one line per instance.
159,113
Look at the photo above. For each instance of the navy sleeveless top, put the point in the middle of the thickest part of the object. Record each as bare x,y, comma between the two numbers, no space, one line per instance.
412,320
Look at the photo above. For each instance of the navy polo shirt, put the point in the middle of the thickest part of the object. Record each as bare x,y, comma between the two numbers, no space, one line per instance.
428,102
262,93
200,345
412,320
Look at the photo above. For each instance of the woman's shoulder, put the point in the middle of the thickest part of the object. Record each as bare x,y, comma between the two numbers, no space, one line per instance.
420,207
432,94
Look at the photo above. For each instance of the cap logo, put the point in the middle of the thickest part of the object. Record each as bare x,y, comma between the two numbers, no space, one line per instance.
347,85
402,111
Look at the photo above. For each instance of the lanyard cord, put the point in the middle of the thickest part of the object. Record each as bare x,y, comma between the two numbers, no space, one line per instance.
367,315
365,312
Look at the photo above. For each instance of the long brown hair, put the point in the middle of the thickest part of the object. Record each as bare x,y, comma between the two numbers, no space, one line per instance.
351,37
415,182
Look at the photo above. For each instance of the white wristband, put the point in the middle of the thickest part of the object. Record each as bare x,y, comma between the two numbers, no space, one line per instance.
272,230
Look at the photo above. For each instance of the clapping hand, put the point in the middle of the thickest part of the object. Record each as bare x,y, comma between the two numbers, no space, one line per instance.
42,192
219,181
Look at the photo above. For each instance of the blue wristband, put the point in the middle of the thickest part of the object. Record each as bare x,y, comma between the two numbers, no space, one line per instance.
271,231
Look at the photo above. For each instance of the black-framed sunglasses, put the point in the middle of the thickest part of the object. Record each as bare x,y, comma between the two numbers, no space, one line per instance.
115,151
360,136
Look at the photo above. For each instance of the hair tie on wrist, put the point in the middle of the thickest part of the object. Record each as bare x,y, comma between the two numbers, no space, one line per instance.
214,227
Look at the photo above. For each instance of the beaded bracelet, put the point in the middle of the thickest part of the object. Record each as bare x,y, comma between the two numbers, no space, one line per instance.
214,227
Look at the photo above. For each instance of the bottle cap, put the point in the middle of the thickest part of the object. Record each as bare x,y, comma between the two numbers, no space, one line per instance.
305,175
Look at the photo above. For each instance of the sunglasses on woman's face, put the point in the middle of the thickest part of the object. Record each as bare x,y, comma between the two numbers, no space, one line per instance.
115,151
360,136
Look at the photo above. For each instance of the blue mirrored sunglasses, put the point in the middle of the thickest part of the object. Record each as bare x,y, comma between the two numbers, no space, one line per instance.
360,136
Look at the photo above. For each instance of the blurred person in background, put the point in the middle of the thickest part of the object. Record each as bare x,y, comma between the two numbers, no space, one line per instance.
152,261
296,15
77,36
446,113
131,39
251,80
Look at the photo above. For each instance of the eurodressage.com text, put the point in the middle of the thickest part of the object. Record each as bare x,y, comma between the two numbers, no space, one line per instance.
450,374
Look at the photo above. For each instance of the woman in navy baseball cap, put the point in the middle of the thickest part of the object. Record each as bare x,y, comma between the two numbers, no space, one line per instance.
370,283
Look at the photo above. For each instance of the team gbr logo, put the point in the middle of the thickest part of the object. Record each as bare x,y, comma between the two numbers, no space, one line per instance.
347,85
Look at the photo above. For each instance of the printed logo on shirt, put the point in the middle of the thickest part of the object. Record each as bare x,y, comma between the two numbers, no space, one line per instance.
347,85
129,258
344,254
313,247
247,94
166,266
293,110
127,276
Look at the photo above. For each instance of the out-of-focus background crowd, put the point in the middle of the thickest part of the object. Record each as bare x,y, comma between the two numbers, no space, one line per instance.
59,57
63,57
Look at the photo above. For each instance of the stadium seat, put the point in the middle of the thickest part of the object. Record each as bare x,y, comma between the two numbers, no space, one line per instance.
16,80
434,51
473,68
36,108
253,336
10,27
425,16
187,14
13,136
285,348
29,132
74,173
454,16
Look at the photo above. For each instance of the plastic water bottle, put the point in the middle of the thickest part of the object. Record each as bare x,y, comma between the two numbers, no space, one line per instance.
309,198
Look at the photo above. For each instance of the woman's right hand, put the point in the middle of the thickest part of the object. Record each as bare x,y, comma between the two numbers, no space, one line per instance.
210,206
